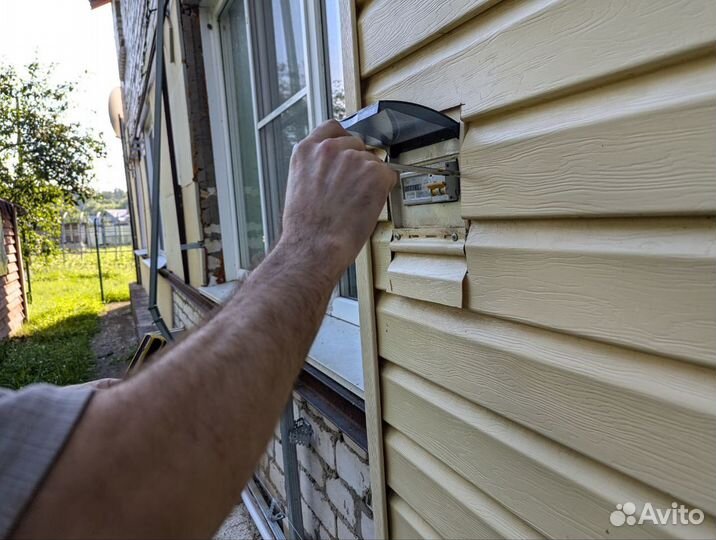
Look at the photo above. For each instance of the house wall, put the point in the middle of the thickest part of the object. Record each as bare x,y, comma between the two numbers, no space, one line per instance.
573,367
13,305
188,194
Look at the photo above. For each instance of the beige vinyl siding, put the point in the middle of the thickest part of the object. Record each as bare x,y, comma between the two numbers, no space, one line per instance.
418,23
640,147
451,504
530,51
572,368
406,523
641,283
176,80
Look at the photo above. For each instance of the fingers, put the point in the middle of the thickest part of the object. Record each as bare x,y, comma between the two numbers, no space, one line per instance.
329,129
347,143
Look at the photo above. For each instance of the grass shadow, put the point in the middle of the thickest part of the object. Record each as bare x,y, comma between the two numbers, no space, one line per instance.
58,354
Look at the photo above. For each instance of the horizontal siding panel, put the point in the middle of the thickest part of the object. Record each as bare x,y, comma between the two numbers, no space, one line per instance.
406,524
12,268
637,413
430,246
530,475
10,278
528,51
455,508
11,294
12,310
645,146
435,278
389,29
648,284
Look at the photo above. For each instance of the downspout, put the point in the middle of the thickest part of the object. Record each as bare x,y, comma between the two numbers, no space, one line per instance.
156,153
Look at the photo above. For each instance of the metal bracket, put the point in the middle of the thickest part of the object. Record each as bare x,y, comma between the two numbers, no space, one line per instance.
192,245
300,433
276,514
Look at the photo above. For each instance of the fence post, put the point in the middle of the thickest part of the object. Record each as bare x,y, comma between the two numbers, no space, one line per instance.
99,259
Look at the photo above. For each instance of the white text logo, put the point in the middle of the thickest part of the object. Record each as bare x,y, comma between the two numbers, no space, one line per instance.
626,514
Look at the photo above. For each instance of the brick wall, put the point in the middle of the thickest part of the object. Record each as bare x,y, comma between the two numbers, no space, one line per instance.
334,476
185,313
135,22
334,472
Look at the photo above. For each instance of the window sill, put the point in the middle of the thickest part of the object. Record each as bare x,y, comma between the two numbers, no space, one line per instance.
336,352
147,261
345,309
220,294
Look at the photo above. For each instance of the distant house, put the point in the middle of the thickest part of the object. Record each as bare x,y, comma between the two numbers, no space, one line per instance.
13,298
116,216
113,229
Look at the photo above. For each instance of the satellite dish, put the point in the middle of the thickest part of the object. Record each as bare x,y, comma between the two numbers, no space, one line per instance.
116,110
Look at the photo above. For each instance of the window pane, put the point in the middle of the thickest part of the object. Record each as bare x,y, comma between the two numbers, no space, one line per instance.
335,60
243,131
280,52
278,138
349,283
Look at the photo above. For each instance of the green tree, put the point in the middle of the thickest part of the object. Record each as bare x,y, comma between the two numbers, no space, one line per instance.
46,160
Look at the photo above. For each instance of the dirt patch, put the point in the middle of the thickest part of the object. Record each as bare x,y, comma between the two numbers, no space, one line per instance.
116,341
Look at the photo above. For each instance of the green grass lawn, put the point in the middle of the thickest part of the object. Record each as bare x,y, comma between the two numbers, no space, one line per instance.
55,346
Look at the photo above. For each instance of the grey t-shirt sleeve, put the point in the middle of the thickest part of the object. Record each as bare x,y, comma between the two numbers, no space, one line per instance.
35,424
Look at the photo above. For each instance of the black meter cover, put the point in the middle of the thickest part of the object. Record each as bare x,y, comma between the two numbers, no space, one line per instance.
399,126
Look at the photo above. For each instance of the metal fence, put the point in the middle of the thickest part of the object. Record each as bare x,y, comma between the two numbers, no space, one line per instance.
78,234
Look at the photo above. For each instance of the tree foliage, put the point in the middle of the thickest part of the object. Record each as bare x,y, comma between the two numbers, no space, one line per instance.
46,160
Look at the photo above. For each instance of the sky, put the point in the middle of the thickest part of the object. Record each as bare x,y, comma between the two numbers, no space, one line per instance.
77,39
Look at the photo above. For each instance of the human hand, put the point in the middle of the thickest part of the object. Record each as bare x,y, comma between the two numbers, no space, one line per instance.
336,190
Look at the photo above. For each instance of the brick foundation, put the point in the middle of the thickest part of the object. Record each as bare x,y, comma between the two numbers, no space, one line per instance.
334,474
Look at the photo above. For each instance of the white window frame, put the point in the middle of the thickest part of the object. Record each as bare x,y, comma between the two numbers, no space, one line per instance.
343,311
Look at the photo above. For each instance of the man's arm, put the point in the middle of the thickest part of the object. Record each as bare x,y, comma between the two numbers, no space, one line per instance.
167,453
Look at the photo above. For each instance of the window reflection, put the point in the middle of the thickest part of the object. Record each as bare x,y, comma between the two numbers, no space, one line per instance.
280,55
243,138
278,138
335,59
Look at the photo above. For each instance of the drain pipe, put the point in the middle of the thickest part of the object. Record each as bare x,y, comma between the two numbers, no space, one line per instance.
156,154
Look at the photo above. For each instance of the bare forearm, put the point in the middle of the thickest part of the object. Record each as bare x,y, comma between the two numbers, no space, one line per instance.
166,453
186,434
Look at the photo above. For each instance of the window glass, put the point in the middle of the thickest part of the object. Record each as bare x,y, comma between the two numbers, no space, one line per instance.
278,138
243,139
280,54
348,285
335,59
